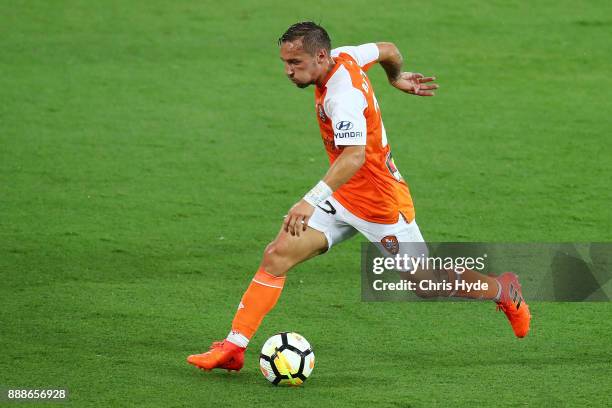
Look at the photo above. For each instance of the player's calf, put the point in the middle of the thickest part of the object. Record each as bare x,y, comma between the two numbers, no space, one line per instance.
428,283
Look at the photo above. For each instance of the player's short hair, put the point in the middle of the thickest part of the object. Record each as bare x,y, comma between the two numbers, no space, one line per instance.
314,37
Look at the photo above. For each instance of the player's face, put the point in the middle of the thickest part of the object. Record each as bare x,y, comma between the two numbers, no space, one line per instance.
300,67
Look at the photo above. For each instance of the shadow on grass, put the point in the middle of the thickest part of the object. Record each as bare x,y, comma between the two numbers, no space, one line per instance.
220,376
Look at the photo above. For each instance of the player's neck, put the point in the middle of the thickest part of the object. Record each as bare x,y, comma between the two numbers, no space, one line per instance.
320,82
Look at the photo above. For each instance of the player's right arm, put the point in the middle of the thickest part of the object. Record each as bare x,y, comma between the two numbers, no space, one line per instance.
391,60
345,109
344,167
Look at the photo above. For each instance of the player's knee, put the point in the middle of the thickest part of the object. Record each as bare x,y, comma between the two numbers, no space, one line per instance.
276,257
279,248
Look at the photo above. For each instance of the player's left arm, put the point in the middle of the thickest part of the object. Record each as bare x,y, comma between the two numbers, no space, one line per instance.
391,60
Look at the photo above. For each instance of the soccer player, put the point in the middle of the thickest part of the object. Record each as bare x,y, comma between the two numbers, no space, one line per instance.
362,191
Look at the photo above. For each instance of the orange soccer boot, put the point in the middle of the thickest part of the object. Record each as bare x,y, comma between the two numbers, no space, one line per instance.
222,354
511,302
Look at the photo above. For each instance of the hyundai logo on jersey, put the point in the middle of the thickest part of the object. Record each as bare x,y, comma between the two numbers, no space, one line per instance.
344,125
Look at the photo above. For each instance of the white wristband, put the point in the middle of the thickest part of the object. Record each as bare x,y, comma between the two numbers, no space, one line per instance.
318,193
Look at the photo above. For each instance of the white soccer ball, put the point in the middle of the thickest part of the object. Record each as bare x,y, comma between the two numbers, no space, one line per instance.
286,358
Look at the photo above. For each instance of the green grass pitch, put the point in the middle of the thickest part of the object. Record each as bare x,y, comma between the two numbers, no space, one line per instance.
149,149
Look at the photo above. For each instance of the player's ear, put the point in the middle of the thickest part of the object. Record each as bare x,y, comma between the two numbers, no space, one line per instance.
321,55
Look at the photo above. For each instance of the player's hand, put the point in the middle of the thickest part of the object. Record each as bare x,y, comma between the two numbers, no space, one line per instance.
415,84
297,218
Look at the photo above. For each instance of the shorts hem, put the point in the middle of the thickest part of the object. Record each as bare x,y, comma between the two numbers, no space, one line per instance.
319,228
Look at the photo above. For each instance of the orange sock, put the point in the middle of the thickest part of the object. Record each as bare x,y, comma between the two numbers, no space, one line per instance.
259,298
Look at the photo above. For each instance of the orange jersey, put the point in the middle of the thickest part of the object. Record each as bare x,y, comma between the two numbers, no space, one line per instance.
348,114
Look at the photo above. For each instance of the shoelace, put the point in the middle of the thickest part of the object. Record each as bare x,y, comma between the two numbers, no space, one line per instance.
220,344
512,310
503,308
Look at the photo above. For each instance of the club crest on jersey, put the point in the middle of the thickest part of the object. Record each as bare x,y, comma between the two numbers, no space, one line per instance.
391,244
321,112
393,168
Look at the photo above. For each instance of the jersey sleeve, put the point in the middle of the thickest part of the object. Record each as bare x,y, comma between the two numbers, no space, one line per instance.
365,54
348,121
